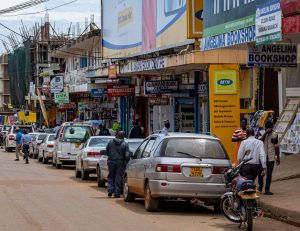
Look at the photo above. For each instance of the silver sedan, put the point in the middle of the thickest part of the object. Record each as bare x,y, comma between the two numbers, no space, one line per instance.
180,165
88,157
102,168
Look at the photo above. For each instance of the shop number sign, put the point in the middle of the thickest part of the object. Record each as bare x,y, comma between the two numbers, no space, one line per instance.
61,97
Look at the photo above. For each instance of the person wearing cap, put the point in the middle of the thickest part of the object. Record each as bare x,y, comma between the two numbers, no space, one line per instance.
18,143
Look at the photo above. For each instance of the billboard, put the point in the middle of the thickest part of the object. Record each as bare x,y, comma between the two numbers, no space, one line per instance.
132,27
224,98
222,16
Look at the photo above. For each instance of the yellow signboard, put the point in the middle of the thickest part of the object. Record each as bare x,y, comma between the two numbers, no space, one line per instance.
224,102
195,19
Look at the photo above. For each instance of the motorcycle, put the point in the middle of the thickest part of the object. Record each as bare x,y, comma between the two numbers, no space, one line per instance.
239,204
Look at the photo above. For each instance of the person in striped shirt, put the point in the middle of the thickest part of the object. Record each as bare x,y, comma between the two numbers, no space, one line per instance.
238,136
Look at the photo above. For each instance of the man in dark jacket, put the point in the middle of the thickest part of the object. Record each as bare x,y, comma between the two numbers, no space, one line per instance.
103,130
117,151
136,131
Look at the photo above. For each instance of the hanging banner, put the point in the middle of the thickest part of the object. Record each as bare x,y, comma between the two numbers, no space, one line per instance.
61,97
119,90
162,86
195,18
112,71
56,83
269,55
224,103
268,23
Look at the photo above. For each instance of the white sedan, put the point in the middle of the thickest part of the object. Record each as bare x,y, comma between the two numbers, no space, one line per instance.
88,157
46,148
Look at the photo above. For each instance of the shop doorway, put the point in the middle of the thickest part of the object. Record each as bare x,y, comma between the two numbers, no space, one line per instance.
271,98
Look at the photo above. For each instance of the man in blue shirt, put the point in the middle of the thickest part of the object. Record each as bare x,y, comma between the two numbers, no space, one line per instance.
18,143
26,139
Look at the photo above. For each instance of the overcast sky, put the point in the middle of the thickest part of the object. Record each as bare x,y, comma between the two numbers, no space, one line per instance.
60,17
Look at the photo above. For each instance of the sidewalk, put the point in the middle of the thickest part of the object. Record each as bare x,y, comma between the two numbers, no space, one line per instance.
285,203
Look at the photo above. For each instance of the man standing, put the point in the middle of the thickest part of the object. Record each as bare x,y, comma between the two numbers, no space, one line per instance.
136,131
117,151
166,128
18,143
253,149
103,130
238,136
270,139
26,138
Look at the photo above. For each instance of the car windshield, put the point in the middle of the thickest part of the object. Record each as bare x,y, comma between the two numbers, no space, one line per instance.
134,145
99,142
41,136
51,138
76,134
22,129
33,136
193,148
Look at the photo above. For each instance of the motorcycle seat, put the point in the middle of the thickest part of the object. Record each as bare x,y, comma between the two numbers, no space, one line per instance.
244,184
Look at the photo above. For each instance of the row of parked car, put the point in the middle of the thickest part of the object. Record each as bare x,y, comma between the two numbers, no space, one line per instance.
180,166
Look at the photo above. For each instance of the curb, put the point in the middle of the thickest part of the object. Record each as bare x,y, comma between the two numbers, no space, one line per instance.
284,215
288,177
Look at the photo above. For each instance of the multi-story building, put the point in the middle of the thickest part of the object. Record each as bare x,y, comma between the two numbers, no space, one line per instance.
5,104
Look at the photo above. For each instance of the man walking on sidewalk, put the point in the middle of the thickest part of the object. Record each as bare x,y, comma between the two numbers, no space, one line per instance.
270,139
25,145
18,143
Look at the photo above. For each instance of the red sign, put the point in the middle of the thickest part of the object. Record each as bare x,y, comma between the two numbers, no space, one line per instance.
120,90
291,24
290,7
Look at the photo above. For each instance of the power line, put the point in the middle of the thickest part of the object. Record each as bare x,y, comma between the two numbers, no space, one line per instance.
37,12
22,6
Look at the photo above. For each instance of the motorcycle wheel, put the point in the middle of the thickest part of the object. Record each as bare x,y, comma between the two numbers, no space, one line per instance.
247,214
226,208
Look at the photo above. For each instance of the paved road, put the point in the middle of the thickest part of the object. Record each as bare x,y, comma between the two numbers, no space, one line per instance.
39,197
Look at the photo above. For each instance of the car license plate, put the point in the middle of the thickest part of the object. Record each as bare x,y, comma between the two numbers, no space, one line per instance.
196,171
77,145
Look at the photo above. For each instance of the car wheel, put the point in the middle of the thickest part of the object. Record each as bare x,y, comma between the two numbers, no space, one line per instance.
151,203
40,159
100,182
77,173
53,162
128,196
6,149
84,174
45,160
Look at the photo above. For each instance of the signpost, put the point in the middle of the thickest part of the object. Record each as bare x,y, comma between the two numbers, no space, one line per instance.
162,86
61,97
268,22
269,55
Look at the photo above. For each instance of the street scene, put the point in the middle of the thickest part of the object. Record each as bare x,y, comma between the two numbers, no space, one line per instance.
149,115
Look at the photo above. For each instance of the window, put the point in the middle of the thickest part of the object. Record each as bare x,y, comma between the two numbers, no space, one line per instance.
148,148
22,129
139,151
42,136
76,134
193,148
98,142
51,138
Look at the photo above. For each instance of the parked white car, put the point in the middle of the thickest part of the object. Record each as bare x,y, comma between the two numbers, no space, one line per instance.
69,142
87,159
102,168
36,142
46,148
10,139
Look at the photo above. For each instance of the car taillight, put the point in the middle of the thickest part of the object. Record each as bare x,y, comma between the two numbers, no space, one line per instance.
168,168
50,146
11,137
217,170
93,154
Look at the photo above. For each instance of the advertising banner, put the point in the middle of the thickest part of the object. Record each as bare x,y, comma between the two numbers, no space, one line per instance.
221,16
162,86
56,83
243,35
224,103
290,7
269,55
61,97
112,71
98,93
268,23
119,90
291,25
133,27
195,18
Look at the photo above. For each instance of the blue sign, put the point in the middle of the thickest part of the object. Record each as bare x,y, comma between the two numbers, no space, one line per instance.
244,35
98,93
